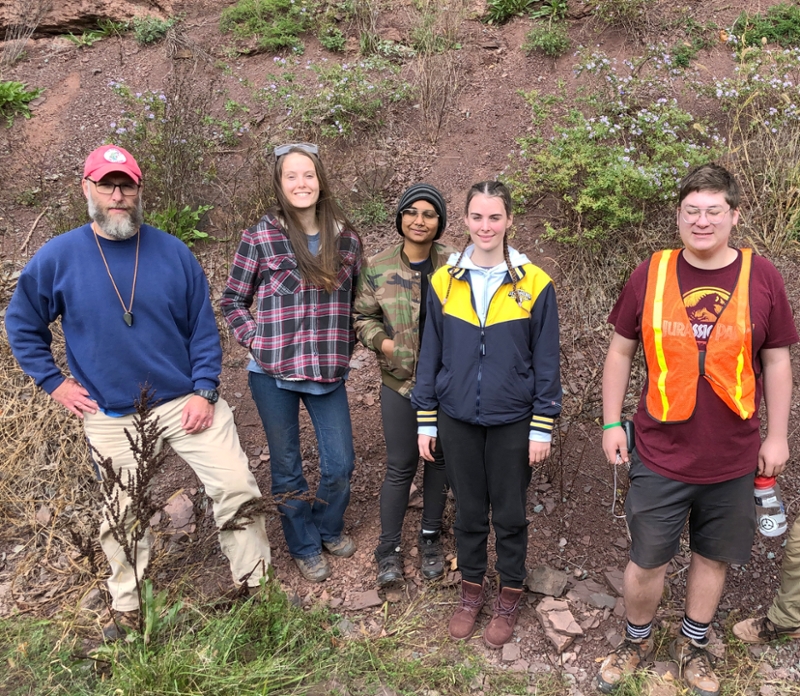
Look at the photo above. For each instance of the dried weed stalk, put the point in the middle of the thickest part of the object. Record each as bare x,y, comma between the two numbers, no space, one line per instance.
24,17
438,81
178,46
46,488
769,174
129,518
366,13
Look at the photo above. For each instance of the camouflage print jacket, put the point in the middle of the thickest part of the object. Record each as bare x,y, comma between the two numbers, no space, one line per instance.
387,305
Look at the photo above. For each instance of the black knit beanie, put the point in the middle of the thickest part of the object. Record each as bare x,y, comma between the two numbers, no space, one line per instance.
422,192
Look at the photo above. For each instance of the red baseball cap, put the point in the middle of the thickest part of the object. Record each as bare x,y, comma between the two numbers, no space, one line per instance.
110,158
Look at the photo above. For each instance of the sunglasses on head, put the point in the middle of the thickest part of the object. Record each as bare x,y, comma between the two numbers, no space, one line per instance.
310,148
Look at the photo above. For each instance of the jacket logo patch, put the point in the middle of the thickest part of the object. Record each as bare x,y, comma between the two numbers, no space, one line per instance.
521,295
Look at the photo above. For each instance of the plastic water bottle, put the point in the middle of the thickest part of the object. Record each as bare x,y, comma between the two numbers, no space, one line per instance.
770,512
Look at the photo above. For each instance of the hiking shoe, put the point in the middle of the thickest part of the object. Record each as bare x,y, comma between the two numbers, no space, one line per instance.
762,630
471,601
390,570
314,568
342,546
501,627
630,654
695,666
430,547
121,623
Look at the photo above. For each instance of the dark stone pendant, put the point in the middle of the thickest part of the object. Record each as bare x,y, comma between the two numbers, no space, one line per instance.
128,317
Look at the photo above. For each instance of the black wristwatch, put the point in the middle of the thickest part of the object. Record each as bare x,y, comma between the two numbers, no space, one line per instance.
211,395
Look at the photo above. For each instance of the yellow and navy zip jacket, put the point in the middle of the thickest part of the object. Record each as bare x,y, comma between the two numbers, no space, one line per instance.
496,370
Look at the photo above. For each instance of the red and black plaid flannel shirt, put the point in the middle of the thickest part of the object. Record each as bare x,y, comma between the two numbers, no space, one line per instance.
299,331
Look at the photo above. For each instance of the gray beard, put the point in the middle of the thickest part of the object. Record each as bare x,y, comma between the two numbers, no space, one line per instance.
118,227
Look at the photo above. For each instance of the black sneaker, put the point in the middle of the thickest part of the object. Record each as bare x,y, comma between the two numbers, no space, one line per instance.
390,569
430,547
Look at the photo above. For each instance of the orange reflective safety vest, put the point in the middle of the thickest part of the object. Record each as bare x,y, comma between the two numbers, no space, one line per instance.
675,363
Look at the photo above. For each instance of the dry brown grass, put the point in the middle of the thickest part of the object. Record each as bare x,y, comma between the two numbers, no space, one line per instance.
47,506
438,79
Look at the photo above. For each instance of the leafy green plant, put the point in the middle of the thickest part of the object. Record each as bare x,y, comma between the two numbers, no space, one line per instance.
500,11
698,37
332,38
275,24
158,613
105,28
87,39
15,99
150,29
549,38
343,98
372,211
780,24
550,9
182,223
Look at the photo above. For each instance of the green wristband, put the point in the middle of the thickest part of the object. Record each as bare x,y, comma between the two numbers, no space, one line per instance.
608,426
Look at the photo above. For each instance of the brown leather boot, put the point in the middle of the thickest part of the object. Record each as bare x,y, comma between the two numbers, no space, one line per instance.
473,596
501,627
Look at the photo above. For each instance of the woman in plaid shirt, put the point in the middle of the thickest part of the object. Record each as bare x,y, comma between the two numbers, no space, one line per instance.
300,263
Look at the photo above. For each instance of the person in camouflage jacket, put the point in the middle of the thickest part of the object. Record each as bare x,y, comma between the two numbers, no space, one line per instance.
390,316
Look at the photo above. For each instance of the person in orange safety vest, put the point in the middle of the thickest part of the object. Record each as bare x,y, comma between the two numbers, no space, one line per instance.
715,327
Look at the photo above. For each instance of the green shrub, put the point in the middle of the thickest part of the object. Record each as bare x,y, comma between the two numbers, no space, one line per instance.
332,38
170,134
372,211
183,223
15,99
780,25
276,24
149,29
343,98
549,38
614,164
500,11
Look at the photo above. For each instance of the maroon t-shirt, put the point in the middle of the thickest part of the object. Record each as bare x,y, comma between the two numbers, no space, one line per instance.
715,444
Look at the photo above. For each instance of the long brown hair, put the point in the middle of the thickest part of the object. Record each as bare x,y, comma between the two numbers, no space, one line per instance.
491,189
323,268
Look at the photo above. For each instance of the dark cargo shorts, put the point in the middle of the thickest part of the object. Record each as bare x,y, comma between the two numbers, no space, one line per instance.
722,517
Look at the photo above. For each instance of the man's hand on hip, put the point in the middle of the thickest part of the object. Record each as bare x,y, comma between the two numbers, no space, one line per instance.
198,415
72,396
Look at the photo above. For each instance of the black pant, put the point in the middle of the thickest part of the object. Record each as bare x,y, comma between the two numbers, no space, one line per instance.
402,458
488,468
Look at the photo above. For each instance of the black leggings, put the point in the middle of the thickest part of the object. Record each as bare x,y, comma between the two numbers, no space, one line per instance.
488,469
402,458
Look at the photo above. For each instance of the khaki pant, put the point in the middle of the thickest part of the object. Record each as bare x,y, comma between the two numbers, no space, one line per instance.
785,610
217,458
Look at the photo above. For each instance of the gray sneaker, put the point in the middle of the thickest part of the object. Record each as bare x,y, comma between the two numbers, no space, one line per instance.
343,546
314,568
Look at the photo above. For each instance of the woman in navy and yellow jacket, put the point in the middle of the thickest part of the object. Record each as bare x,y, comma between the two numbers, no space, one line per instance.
488,384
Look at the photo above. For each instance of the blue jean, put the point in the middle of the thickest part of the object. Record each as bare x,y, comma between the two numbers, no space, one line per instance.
307,525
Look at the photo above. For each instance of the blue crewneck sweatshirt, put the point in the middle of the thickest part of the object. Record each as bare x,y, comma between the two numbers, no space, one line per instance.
173,344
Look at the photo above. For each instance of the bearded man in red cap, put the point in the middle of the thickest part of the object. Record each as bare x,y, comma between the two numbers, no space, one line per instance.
135,310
